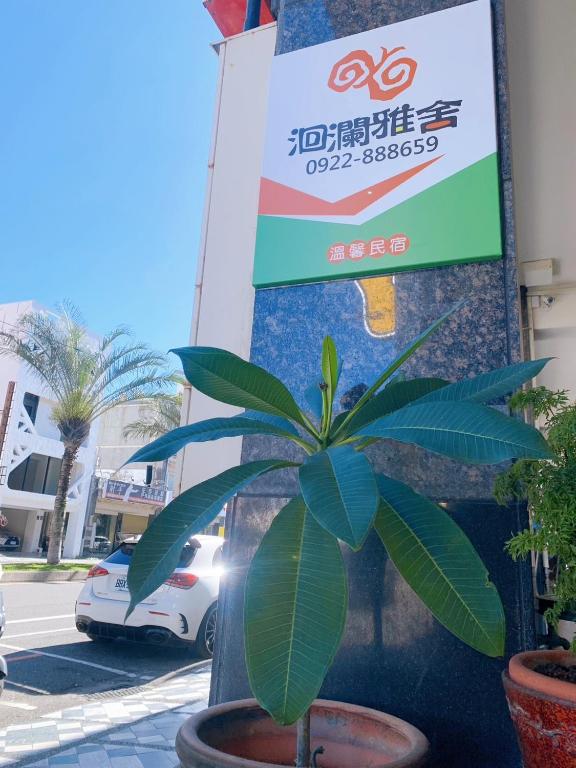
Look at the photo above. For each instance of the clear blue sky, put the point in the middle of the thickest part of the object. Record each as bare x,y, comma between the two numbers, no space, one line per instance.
106,116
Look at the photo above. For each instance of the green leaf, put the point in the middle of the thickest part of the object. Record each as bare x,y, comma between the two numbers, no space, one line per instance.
437,560
401,359
464,431
491,385
158,551
294,614
277,421
339,488
330,374
395,396
211,429
313,396
229,379
330,364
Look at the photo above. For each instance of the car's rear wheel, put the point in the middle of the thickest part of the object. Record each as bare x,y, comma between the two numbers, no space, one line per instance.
207,634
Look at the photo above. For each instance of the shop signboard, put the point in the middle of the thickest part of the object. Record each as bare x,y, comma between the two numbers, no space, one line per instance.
139,494
381,152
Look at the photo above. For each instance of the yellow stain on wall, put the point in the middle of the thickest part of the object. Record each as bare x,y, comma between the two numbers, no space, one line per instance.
379,295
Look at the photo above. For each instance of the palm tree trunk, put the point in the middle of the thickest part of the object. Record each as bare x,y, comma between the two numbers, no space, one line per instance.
56,532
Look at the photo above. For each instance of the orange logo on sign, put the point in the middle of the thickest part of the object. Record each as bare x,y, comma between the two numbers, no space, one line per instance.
385,79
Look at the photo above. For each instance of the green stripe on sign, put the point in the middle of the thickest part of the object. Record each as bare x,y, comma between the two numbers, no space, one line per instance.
456,220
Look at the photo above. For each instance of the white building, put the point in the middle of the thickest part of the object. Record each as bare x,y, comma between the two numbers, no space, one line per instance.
31,453
115,448
128,496
224,297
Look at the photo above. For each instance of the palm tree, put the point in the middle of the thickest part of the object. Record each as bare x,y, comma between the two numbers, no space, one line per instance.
85,377
162,415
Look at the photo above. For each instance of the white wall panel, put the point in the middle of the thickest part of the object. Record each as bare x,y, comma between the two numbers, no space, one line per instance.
224,296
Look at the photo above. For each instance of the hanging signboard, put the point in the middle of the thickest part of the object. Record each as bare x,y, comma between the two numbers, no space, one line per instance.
140,494
381,152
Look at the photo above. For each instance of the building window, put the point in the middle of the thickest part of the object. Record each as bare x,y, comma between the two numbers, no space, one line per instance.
31,405
36,474
52,475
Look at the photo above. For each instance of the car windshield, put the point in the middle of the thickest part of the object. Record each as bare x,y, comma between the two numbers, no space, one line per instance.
123,555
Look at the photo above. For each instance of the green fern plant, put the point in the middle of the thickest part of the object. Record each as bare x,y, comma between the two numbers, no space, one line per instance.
296,591
549,487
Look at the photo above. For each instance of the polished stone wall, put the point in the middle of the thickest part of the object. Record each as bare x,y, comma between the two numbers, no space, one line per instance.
395,657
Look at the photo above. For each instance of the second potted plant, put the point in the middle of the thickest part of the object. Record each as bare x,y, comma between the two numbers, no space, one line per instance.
296,591
540,685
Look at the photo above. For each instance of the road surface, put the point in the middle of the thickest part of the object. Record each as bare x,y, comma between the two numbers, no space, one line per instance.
52,666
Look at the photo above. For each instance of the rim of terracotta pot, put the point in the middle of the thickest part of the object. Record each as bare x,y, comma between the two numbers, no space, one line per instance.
521,671
188,739
513,689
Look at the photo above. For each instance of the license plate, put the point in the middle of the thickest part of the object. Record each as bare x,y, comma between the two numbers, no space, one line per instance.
121,585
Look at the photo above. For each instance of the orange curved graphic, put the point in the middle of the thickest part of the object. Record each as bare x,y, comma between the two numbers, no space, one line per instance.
385,79
352,71
279,200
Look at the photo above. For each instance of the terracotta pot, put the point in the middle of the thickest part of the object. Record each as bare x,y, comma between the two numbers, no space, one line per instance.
242,735
543,710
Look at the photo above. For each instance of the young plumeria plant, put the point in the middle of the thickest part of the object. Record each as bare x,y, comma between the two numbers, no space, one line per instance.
296,592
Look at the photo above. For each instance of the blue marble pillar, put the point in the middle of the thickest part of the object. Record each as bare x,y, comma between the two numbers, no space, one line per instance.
395,656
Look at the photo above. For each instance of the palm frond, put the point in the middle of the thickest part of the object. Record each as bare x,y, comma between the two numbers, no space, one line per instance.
147,384
112,336
152,426
121,364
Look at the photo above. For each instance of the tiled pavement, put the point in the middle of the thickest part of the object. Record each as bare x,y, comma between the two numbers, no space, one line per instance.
132,731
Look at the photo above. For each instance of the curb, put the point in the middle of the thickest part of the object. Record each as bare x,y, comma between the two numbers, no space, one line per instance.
197,665
12,577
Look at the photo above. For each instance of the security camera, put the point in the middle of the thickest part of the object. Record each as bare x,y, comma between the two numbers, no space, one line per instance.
548,300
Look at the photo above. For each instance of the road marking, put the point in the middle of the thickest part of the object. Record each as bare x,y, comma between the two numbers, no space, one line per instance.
46,632
41,618
72,661
11,683
16,705
23,658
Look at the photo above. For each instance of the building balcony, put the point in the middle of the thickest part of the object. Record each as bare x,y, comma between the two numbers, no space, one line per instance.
30,464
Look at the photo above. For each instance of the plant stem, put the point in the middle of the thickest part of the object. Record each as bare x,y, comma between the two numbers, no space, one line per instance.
308,426
304,444
303,741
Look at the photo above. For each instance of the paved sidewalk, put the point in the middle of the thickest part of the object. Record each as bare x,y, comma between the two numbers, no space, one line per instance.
134,730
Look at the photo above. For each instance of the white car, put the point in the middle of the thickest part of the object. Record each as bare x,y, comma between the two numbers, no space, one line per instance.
183,608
